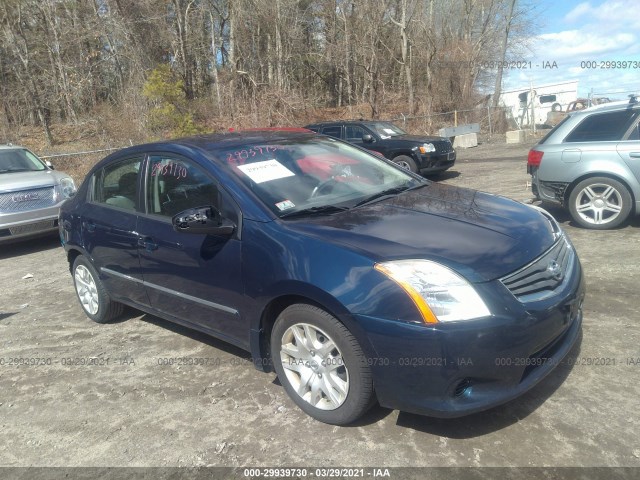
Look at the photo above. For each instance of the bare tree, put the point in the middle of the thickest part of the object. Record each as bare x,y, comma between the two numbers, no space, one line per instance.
407,8
255,61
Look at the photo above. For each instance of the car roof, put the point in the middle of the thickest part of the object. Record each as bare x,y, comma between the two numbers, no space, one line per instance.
209,144
213,142
608,107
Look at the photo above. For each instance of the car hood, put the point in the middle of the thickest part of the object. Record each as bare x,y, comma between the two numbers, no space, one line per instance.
417,138
10,182
480,235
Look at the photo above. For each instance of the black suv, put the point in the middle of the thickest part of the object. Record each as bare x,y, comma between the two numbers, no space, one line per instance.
423,154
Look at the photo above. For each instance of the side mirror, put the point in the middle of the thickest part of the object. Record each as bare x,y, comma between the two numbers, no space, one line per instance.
49,164
366,138
203,220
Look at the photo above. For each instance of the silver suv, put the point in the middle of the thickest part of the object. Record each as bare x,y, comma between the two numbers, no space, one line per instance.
590,164
31,193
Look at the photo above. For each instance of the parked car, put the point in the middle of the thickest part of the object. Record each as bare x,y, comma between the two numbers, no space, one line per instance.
31,193
590,164
419,153
352,278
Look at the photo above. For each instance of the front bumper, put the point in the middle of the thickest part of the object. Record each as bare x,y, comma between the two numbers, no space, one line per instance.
455,369
31,223
436,162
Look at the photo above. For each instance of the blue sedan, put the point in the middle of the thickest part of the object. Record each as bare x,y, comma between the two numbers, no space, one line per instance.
354,279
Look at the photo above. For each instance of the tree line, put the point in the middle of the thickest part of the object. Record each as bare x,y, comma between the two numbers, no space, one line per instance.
60,59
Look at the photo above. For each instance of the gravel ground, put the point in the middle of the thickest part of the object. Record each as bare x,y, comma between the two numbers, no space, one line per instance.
127,409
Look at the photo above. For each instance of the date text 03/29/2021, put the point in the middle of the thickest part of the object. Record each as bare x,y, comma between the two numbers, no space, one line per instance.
323,472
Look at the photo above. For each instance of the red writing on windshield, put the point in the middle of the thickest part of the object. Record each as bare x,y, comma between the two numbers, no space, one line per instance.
240,157
170,169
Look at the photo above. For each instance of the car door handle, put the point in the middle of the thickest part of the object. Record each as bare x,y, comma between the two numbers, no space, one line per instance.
634,154
148,244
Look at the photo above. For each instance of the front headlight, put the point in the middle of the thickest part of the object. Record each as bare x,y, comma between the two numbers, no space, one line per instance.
67,187
427,148
440,294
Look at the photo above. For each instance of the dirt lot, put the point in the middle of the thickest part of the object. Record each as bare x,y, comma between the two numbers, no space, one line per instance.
127,409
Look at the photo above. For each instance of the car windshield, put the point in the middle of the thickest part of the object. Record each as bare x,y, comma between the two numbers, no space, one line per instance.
315,176
386,129
19,160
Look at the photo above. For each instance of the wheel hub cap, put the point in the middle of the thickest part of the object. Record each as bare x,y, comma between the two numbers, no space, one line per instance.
314,366
86,289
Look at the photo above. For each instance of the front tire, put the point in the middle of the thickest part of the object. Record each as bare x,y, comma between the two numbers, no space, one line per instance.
321,365
600,203
93,297
407,162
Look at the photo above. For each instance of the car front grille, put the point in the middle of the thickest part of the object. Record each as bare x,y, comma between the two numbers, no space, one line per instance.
25,200
443,146
541,277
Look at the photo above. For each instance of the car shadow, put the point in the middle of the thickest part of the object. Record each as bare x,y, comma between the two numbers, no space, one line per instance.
20,248
4,315
470,426
374,415
564,217
559,213
500,417
187,332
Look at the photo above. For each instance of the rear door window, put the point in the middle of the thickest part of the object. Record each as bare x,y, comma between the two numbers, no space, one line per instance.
117,184
332,131
603,127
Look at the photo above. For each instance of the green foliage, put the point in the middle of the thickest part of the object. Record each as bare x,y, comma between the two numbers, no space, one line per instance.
169,111
163,86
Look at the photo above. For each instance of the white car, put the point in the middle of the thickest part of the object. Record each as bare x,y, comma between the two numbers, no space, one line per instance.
31,193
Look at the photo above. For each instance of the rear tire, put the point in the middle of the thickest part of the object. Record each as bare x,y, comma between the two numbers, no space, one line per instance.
600,203
93,297
407,162
321,365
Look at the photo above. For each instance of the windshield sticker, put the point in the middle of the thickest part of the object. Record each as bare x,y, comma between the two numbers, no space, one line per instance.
285,205
389,131
266,171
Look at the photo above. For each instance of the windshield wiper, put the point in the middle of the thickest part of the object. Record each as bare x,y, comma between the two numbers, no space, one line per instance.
319,210
389,192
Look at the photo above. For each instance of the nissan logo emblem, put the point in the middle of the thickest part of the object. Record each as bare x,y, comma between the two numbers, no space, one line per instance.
554,270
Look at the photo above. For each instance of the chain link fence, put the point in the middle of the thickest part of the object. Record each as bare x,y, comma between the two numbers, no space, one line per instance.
77,164
493,121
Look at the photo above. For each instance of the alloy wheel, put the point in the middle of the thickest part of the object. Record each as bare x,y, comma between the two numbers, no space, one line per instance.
598,204
87,290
